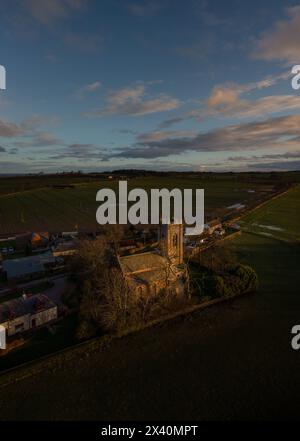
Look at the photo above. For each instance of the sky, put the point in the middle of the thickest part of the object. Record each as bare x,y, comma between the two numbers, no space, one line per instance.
98,85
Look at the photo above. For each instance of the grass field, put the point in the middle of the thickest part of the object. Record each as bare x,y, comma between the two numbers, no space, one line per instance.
278,218
70,208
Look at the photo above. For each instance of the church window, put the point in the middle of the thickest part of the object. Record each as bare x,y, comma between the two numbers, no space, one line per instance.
175,240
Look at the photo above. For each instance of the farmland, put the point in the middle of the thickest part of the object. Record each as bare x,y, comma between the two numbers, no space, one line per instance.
229,362
278,218
60,209
233,361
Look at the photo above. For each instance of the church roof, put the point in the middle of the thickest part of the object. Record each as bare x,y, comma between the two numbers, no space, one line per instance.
147,268
137,263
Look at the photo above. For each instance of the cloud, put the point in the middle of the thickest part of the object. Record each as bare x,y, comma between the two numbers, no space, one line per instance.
92,86
48,11
159,135
255,158
226,100
147,8
197,50
36,120
45,139
276,166
52,58
282,41
27,134
281,132
84,42
81,152
39,139
170,122
127,131
88,88
9,130
255,108
131,101
208,17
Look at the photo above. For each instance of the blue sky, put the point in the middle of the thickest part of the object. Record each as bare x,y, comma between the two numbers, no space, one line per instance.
168,84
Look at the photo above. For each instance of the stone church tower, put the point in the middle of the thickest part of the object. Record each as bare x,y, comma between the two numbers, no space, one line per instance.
171,242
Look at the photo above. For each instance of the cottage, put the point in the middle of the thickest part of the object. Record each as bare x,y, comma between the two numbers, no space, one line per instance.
25,313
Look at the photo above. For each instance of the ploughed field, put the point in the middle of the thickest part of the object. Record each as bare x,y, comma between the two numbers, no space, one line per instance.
63,209
231,361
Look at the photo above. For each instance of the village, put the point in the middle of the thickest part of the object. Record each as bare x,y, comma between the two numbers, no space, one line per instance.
34,270
37,283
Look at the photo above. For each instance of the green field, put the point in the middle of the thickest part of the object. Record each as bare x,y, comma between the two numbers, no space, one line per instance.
278,218
65,209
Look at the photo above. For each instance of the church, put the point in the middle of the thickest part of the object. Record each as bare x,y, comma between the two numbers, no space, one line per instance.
148,273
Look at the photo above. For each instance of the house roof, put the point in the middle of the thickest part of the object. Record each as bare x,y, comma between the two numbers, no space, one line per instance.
213,223
22,306
27,265
137,263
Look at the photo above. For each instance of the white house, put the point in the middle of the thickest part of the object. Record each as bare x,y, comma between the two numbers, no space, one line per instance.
25,313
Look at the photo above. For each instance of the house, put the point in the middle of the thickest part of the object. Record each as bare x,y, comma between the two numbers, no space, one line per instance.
69,235
219,232
127,245
63,249
26,313
149,272
212,225
39,240
7,244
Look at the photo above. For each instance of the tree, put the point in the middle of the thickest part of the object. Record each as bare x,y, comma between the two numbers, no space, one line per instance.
219,258
99,285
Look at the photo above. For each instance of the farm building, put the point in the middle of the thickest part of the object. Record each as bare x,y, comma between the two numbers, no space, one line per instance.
27,266
25,313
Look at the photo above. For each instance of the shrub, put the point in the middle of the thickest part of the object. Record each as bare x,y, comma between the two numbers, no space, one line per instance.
248,278
240,279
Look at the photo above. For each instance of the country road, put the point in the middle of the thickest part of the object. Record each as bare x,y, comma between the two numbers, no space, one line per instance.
231,361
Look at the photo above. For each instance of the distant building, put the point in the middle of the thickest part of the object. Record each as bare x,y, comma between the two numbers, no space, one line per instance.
211,226
219,232
69,235
39,239
25,313
65,249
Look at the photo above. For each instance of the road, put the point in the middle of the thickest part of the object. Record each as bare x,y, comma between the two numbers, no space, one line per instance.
232,361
